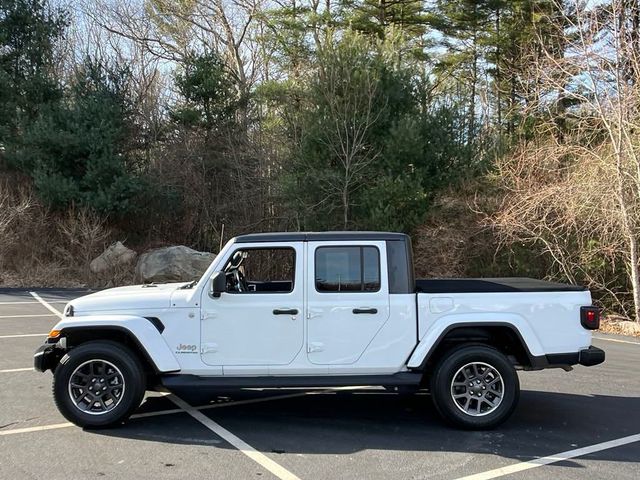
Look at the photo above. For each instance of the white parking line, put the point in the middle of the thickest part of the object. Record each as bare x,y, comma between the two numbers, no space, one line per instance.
46,304
24,335
616,340
29,316
258,457
11,370
32,302
558,457
35,429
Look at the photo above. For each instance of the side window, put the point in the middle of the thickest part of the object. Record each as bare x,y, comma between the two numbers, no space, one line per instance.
261,270
347,269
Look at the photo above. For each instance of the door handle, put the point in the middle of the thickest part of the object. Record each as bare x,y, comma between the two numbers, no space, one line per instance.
372,311
285,311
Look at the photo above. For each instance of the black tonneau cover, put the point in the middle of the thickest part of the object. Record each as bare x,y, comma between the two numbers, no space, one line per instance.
481,285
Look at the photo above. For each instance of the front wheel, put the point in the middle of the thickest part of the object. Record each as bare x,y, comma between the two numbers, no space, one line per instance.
475,387
98,384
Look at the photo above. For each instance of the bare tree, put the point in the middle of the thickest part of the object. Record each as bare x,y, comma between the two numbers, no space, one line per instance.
12,208
576,191
349,91
170,30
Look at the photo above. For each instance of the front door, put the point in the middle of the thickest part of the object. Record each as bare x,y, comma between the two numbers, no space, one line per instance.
258,321
348,299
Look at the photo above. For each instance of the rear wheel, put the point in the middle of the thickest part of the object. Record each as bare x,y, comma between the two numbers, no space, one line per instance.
98,384
475,387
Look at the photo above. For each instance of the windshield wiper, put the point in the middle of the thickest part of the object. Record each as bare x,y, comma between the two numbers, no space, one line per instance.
189,285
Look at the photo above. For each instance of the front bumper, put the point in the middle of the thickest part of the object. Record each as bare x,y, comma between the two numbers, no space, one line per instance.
46,357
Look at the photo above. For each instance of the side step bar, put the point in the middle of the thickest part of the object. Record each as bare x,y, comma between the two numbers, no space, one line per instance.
177,381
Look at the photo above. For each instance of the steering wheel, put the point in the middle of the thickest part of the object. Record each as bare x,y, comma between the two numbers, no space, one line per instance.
239,278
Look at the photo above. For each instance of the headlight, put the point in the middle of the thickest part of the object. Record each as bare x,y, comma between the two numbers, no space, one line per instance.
68,310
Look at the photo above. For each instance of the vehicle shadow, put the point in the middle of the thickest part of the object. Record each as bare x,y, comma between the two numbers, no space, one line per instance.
346,422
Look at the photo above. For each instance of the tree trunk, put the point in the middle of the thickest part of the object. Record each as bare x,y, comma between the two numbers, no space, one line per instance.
498,73
345,206
474,81
635,276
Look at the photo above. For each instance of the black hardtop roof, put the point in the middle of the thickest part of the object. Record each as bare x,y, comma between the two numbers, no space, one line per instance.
318,236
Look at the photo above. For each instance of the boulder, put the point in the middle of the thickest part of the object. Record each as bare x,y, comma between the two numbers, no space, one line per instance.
116,254
172,264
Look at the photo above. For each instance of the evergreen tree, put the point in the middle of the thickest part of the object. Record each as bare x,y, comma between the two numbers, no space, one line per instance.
288,38
207,92
406,21
81,151
29,30
374,17
490,48
370,154
464,27
518,34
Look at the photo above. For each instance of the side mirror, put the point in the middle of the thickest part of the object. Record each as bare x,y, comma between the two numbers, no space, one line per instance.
218,284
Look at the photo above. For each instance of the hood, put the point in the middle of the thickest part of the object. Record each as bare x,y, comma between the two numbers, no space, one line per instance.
136,297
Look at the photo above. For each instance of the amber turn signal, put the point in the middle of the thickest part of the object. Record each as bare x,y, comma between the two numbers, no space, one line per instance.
54,334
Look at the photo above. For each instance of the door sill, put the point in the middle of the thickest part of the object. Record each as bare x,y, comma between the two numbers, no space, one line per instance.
179,381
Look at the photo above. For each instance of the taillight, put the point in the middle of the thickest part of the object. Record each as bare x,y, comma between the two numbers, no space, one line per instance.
590,317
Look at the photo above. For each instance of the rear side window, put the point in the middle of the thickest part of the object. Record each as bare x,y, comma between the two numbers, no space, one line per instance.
347,269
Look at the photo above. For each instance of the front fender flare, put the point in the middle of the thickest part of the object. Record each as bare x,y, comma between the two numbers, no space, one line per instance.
446,323
141,330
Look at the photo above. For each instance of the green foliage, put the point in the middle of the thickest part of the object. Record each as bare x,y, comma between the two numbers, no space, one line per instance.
493,46
76,142
287,36
378,17
292,115
207,90
28,32
396,204
370,154
80,151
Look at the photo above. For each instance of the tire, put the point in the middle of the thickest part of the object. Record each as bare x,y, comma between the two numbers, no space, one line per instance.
494,380
114,368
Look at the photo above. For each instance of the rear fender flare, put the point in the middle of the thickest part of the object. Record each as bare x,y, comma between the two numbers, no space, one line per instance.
446,323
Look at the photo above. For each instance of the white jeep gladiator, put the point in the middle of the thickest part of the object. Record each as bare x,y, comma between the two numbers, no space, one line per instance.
330,309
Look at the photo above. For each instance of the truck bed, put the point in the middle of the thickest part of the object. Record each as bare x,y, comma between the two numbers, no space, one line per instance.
495,285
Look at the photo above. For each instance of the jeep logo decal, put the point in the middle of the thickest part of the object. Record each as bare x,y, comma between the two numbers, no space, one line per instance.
182,348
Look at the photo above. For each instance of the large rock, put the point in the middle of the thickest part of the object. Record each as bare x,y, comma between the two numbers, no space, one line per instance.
116,254
172,264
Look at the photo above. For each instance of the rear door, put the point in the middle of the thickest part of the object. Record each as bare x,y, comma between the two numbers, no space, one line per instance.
347,299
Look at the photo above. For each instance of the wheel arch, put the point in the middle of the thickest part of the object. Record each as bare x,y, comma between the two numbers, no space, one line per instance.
503,336
140,335
76,336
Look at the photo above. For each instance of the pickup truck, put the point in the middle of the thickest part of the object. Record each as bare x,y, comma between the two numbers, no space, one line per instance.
330,309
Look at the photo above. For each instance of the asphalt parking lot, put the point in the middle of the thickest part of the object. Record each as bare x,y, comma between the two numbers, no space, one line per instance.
583,424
